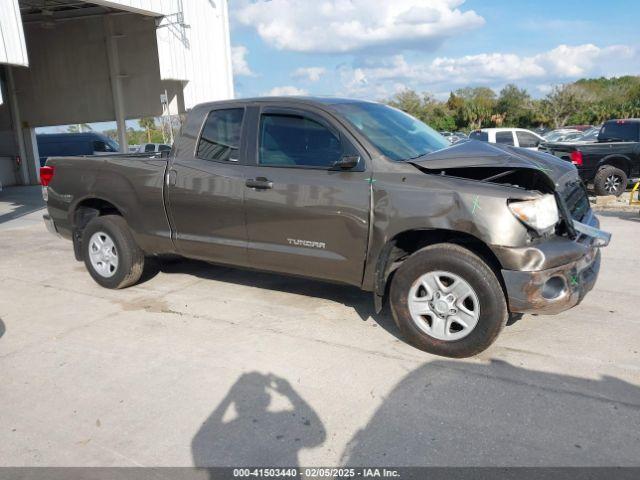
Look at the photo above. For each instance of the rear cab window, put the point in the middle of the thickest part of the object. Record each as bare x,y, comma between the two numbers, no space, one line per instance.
220,136
619,131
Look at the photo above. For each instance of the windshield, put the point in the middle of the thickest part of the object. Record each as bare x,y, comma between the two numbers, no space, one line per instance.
591,134
397,135
113,145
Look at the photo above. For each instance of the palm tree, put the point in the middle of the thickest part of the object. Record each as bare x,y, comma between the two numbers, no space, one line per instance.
148,123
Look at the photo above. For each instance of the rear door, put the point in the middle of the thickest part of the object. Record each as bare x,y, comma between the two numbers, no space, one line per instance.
206,186
505,137
304,216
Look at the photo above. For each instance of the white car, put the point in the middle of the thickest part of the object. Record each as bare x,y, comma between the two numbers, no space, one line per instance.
518,137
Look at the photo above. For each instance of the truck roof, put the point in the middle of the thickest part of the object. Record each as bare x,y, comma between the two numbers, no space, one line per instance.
310,100
623,120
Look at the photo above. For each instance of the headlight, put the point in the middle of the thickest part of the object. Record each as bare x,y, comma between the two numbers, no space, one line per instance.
540,214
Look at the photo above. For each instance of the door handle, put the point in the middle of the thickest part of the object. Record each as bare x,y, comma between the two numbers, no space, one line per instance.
259,183
172,176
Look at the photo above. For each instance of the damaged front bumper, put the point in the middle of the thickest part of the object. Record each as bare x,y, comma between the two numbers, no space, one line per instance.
560,286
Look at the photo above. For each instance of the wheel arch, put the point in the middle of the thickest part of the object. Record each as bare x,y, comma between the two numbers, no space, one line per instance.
405,243
83,212
616,160
91,207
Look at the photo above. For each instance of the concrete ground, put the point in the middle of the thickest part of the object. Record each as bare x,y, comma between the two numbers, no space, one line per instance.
204,365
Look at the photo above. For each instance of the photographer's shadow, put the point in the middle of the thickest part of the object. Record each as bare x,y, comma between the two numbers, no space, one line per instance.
256,434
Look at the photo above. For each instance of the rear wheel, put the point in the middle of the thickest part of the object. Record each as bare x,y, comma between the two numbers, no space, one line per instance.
446,300
111,255
610,180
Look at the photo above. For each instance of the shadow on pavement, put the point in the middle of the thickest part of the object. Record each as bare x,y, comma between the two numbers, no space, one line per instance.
444,413
16,202
465,414
258,432
2,328
629,216
361,302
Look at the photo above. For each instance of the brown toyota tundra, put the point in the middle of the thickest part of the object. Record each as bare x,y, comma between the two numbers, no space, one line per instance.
456,237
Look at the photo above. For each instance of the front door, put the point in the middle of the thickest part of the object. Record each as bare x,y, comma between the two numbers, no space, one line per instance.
206,190
304,215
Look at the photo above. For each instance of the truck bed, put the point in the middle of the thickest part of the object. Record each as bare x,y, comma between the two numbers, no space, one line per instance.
134,181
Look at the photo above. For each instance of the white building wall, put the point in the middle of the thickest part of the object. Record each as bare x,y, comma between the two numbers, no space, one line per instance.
192,41
12,46
199,53
193,47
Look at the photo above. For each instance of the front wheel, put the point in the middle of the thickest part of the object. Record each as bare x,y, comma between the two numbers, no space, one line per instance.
447,301
110,253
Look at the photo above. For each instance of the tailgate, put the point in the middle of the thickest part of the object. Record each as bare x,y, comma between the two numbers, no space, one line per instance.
559,150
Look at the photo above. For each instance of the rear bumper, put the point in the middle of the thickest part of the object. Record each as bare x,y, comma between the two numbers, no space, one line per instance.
556,289
49,223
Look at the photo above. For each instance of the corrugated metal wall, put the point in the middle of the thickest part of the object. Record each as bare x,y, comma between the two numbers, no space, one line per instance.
12,46
201,53
193,43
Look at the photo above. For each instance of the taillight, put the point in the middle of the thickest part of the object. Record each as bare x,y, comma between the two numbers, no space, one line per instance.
46,175
576,158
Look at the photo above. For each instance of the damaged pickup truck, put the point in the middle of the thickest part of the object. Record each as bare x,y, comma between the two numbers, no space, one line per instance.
455,237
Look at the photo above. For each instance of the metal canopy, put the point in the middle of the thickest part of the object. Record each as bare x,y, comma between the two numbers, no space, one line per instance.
51,10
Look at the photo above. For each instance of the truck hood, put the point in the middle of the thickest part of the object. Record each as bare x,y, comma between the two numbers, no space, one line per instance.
477,154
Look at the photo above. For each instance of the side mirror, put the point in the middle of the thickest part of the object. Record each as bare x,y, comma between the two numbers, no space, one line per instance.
347,162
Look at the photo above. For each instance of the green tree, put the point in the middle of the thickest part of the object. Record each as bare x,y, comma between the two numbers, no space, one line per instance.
426,108
477,107
148,124
514,105
563,102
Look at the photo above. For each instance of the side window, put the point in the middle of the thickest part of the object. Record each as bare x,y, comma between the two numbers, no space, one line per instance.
220,139
292,140
101,146
479,135
504,137
527,140
164,148
149,147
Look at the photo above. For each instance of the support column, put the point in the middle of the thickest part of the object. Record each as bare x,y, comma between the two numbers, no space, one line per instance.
116,82
16,123
31,148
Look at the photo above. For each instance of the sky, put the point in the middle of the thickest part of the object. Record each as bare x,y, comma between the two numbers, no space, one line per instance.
374,49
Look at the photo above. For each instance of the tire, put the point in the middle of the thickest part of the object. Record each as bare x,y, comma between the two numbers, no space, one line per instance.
119,262
610,180
486,301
